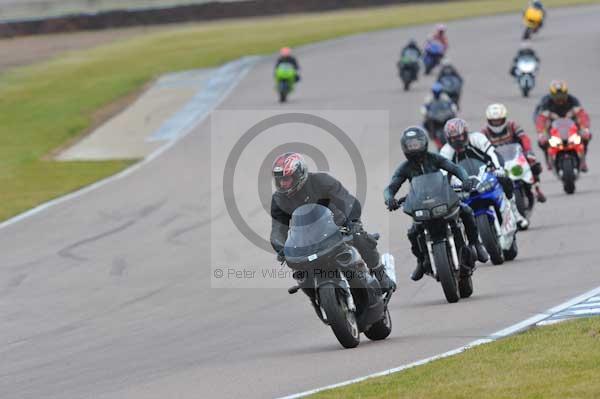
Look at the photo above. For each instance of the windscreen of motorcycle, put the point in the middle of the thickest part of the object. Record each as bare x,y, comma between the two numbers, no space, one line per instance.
563,126
440,111
429,191
410,55
526,64
474,167
450,83
312,234
509,152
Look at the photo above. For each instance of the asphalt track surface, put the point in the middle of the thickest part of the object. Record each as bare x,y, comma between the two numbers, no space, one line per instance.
109,295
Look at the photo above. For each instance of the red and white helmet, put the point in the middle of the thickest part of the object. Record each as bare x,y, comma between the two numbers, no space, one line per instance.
290,173
285,52
457,134
496,115
440,28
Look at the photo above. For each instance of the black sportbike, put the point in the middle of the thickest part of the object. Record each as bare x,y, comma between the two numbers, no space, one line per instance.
329,269
438,113
435,208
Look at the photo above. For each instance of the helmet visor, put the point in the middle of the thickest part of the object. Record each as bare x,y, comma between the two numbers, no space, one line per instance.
497,122
414,145
284,183
560,97
458,142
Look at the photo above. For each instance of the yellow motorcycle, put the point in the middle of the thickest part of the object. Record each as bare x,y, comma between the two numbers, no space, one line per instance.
533,19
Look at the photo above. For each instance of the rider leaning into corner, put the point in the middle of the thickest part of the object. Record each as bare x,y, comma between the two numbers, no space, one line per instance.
462,145
286,57
560,104
419,161
439,34
296,186
500,131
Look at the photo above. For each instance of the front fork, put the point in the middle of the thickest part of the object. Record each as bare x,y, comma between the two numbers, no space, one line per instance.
453,250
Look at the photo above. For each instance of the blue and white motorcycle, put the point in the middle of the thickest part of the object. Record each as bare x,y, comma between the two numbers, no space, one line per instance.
494,215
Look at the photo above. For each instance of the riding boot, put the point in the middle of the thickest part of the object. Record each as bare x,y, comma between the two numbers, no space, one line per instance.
522,222
583,164
386,283
473,234
417,274
539,195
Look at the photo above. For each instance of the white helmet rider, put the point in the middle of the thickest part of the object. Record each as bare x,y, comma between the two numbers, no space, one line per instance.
496,115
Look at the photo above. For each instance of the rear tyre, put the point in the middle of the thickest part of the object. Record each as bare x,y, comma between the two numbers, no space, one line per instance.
513,251
525,91
381,329
340,318
406,86
527,34
568,175
487,231
465,287
445,271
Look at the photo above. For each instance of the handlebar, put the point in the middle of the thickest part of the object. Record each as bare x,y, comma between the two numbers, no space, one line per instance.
399,203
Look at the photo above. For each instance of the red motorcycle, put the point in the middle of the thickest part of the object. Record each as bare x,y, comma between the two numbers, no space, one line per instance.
565,149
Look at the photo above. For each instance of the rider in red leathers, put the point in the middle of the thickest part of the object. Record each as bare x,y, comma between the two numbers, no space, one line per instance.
439,34
560,104
499,130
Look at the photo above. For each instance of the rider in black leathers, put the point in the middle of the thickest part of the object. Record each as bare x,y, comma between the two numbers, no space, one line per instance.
296,186
419,161
285,56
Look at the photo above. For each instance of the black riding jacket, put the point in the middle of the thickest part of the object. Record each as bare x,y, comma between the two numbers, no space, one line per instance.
546,104
288,60
431,164
320,188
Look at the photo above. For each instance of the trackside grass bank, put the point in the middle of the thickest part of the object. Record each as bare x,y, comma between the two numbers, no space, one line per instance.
46,105
554,362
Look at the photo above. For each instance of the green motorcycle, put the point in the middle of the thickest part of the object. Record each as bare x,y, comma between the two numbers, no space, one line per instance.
285,78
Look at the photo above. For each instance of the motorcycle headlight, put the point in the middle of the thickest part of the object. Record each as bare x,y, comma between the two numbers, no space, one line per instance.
485,186
555,141
440,210
575,139
422,213
516,170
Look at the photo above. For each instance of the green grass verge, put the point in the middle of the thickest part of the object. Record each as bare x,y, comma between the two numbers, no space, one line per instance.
554,362
45,105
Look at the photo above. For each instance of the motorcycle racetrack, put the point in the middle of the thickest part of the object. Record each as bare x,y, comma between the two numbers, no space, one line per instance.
109,295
